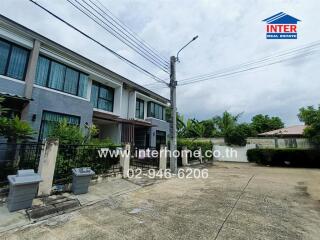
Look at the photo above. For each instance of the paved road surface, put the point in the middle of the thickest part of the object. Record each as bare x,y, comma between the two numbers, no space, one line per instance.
237,201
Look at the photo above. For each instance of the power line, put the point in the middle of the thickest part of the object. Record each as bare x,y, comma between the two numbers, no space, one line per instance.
250,63
129,31
294,52
137,67
306,49
237,72
115,33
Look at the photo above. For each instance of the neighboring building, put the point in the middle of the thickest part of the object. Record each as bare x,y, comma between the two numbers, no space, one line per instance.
44,83
289,137
292,131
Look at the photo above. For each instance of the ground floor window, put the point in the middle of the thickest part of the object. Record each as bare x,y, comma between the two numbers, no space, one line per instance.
50,119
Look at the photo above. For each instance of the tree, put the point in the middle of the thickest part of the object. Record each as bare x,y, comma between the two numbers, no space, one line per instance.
181,126
263,123
209,128
15,130
311,117
238,134
225,123
197,129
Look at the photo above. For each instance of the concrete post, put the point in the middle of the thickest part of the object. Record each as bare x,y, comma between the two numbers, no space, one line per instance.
163,157
125,160
47,165
30,76
201,157
31,70
184,156
173,125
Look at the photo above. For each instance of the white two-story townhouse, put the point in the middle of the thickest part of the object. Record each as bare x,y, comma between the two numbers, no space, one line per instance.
44,83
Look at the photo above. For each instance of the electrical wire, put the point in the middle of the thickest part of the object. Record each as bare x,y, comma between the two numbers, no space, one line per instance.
239,71
117,21
295,52
132,64
115,33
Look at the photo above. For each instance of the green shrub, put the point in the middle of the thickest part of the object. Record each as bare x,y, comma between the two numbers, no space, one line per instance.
238,134
67,133
107,142
285,157
195,144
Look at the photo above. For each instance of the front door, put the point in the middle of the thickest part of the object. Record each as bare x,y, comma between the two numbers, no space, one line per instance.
160,138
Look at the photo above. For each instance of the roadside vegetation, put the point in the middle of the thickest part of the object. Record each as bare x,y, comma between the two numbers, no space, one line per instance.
227,126
285,157
13,128
311,117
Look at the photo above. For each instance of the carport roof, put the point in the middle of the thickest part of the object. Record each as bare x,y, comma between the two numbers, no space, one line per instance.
113,118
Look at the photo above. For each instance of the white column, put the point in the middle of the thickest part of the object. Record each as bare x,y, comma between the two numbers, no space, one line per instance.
125,160
163,157
47,165
184,156
201,157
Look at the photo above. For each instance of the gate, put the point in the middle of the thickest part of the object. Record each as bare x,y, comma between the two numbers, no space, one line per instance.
144,159
75,156
15,156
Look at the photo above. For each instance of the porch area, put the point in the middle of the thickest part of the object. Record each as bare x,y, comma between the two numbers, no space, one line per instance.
120,130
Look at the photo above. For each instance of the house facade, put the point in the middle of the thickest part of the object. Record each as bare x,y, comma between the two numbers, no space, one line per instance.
44,83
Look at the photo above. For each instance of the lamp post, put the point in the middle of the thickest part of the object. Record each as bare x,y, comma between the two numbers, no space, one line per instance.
173,101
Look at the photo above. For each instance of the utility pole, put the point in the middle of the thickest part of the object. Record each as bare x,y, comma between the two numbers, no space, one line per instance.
173,125
173,102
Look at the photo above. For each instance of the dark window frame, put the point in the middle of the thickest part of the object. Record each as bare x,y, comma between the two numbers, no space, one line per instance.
40,137
100,85
138,102
152,110
161,138
9,57
64,76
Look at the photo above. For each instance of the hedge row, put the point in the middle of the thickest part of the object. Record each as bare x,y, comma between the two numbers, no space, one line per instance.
194,144
285,157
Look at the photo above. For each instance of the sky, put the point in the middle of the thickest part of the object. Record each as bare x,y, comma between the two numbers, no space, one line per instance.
230,33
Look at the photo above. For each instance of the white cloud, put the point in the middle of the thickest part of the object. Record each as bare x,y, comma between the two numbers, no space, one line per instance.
230,32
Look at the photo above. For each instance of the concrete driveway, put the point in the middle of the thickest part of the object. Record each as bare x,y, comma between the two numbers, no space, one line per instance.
237,201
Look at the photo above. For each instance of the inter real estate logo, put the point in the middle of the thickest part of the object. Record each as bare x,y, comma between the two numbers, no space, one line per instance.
281,26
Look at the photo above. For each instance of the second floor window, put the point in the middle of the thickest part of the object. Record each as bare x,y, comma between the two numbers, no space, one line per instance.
13,60
156,110
102,97
140,108
57,76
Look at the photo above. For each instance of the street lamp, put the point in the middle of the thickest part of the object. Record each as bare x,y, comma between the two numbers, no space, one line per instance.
173,101
193,39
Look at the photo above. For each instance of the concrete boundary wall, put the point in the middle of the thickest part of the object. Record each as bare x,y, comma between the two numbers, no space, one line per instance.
236,153
272,142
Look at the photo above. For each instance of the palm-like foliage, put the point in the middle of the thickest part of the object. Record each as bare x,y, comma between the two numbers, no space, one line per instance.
226,122
15,130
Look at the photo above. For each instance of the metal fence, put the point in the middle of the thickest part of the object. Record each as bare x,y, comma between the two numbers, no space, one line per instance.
18,156
74,156
142,158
